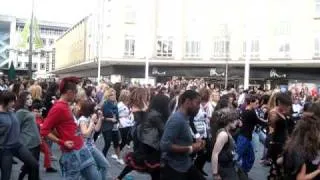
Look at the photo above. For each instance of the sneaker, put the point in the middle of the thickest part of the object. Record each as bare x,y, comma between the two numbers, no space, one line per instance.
120,161
51,170
114,156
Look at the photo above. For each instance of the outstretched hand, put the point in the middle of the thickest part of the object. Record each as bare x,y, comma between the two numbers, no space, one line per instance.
302,175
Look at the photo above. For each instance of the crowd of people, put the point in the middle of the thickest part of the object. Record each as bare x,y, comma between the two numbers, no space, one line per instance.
174,129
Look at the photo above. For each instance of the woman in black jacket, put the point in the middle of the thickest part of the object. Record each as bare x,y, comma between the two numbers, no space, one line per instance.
147,133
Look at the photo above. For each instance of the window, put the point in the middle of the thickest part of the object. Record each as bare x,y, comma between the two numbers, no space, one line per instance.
42,66
51,42
19,65
164,47
43,41
42,54
221,48
255,49
130,13
282,40
129,46
26,65
283,47
192,49
317,8
34,66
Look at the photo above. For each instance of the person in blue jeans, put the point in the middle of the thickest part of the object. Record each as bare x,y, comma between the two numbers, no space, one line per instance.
76,160
89,123
250,119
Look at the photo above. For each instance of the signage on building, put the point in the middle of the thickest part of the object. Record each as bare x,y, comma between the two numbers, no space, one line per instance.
213,72
155,71
274,74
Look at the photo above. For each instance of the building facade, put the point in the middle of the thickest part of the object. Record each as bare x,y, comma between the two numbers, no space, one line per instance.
199,37
43,60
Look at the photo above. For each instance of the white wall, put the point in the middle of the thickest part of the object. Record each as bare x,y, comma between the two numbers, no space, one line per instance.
173,18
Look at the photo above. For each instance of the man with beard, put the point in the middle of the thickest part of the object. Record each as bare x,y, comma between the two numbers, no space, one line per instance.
177,144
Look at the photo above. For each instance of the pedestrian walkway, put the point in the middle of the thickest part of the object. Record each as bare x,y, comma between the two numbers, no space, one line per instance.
258,172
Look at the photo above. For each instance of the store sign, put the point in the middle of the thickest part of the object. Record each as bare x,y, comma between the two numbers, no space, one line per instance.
213,72
155,71
274,74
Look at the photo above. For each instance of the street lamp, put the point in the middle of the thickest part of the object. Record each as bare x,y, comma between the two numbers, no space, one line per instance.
247,64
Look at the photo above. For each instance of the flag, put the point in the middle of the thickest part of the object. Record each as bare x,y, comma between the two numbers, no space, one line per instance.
25,34
36,32
12,72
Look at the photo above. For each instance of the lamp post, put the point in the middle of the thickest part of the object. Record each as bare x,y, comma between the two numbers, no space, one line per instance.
100,37
227,67
31,43
146,71
247,64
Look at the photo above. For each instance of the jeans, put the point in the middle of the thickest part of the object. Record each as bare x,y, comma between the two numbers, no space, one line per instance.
78,163
24,155
24,169
101,161
245,153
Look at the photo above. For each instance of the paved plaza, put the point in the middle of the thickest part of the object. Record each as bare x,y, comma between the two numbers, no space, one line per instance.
257,173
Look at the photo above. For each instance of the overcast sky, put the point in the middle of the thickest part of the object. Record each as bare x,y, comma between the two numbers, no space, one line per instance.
67,11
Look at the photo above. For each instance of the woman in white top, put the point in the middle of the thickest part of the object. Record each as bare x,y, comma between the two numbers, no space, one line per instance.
90,122
125,118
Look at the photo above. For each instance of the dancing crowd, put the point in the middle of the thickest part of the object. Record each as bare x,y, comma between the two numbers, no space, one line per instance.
174,129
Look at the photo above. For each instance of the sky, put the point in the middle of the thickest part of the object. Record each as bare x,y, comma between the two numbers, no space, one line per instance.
66,11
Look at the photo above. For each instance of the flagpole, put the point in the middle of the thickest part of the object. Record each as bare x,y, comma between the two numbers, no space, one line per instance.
100,39
30,42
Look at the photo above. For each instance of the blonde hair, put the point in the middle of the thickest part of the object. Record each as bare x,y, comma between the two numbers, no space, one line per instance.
36,92
272,100
124,96
81,94
108,93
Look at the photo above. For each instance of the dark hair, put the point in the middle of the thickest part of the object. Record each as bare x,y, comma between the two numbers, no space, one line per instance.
160,103
264,99
223,102
250,98
189,94
53,87
117,88
284,99
16,88
221,118
86,108
305,139
89,90
225,116
6,97
37,104
69,83
21,100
